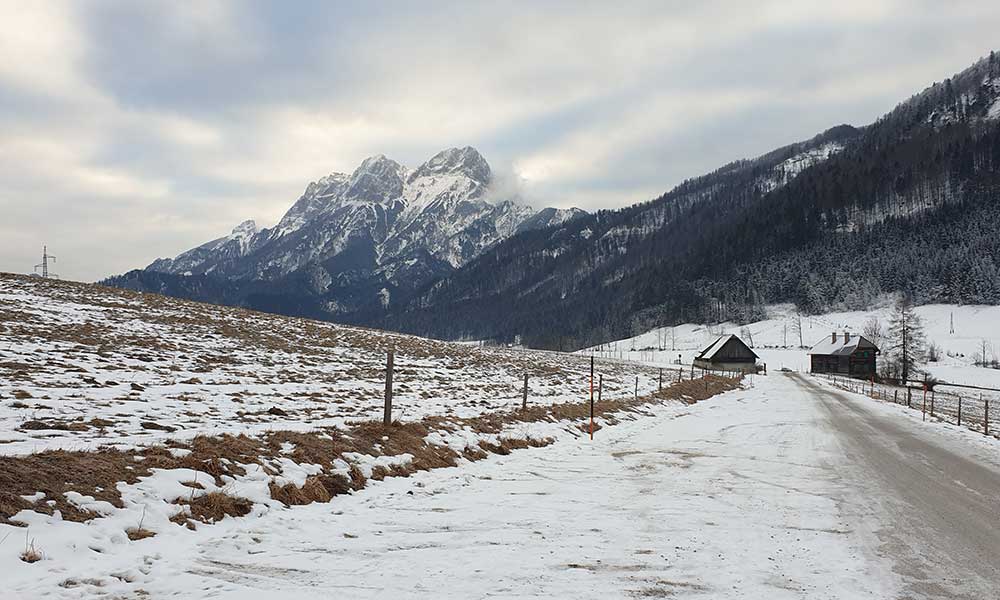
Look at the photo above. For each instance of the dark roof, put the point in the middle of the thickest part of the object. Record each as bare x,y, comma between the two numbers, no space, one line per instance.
710,352
842,346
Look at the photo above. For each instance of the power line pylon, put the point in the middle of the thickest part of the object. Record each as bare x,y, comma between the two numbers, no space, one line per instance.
44,266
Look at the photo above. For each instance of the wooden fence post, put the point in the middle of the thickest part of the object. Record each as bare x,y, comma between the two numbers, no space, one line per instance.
986,416
909,398
932,403
524,399
387,417
923,405
600,386
636,387
895,396
660,384
591,396
959,411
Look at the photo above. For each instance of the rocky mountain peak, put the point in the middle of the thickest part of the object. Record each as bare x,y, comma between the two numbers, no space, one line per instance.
245,229
324,183
378,179
467,161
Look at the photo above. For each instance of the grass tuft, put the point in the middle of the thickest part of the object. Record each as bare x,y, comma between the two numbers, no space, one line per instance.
137,533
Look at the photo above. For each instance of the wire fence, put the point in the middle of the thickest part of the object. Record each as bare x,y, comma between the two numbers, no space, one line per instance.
974,408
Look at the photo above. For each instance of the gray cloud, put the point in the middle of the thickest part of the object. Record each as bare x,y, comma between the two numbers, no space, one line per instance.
132,131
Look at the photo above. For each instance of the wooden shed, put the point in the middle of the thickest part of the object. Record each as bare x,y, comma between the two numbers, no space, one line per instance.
844,354
728,353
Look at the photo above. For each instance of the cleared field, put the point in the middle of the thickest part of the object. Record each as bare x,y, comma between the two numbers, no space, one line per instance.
83,366
125,417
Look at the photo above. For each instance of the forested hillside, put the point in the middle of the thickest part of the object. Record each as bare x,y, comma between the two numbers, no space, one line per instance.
908,204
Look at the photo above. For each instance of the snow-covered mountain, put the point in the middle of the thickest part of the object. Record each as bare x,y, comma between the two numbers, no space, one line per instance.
354,239
906,204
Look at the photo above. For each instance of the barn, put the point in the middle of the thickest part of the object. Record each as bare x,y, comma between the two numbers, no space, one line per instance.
728,353
844,354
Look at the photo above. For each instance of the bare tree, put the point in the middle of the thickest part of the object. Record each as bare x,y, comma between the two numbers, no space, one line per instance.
982,357
933,352
747,335
874,331
906,339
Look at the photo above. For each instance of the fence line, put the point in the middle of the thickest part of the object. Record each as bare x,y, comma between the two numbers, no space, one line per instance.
973,410
390,368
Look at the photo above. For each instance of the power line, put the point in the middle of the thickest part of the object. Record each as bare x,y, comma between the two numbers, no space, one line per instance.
46,257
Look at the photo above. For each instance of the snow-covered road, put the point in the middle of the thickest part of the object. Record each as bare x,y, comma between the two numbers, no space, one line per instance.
934,487
780,491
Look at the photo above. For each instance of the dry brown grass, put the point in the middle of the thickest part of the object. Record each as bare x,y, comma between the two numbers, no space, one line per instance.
97,473
56,472
313,490
214,506
138,533
55,424
30,554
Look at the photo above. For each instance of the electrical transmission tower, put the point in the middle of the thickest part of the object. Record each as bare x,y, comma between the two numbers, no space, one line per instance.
44,266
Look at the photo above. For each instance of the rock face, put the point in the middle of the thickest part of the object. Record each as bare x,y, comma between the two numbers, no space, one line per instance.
352,243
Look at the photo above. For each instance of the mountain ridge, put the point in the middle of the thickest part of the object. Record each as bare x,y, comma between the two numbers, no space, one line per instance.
354,240
796,224
904,204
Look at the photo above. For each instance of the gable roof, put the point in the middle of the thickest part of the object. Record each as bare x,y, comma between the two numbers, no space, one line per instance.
710,352
842,346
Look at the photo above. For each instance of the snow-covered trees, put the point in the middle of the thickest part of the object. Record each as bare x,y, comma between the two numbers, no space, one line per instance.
906,340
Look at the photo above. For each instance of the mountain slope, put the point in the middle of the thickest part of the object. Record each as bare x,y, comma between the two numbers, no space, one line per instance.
905,204
350,243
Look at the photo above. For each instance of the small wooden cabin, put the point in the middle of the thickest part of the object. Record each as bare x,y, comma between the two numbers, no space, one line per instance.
728,353
844,354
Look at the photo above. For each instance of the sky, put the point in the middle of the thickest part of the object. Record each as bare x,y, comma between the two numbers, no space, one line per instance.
136,130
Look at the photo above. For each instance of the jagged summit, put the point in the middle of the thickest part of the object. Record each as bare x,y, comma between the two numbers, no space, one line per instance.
377,179
353,240
467,161
245,229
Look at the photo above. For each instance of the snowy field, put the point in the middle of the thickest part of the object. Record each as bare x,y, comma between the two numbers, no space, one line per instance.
776,340
650,508
164,449
128,419
85,366
746,495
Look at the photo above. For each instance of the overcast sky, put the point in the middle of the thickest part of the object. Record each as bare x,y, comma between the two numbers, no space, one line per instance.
134,130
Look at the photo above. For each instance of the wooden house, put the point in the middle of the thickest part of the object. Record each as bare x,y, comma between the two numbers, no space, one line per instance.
844,354
728,353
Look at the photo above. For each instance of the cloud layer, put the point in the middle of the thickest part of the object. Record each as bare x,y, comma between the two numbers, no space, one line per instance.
130,131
